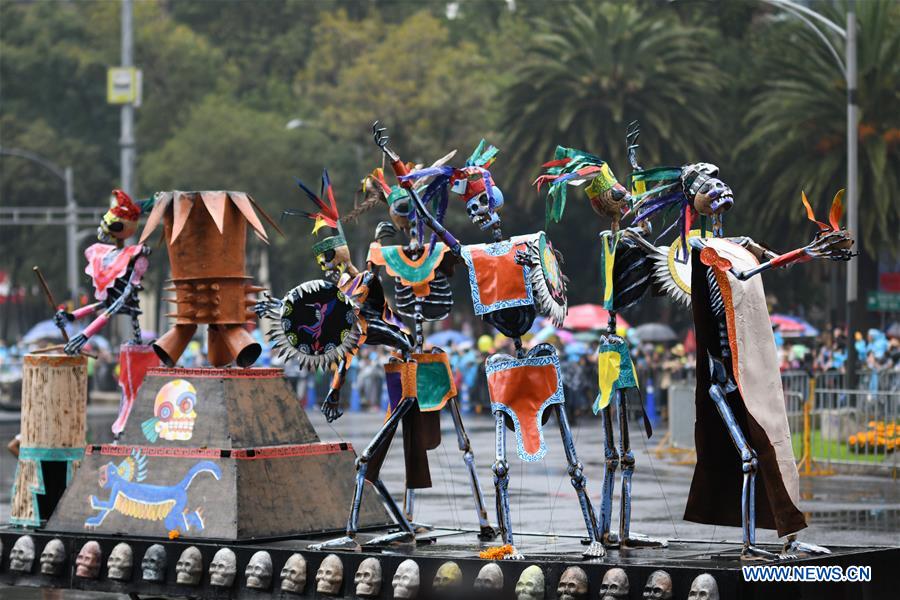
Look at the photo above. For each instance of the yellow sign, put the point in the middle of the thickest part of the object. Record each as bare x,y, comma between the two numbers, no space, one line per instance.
123,85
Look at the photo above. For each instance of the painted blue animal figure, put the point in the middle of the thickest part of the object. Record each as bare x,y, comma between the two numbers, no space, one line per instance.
130,497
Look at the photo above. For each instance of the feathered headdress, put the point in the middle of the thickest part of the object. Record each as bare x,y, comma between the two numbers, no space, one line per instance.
471,180
572,167
125,207
327,214
660,190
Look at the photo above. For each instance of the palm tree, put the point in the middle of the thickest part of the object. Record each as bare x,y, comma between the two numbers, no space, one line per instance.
796,123
591,70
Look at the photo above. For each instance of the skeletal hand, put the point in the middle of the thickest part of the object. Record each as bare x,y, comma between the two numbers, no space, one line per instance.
76,344
380,135
269,306
331,407
832,245
62,318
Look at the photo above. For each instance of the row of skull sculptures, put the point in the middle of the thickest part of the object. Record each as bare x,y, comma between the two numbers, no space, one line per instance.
573,584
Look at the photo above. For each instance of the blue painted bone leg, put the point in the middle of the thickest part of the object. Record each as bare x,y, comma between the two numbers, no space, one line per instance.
609,476
486,531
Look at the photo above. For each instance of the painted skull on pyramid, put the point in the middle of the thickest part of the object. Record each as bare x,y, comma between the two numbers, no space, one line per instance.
173,412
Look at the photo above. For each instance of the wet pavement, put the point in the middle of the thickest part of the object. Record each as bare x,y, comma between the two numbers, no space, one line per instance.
841,509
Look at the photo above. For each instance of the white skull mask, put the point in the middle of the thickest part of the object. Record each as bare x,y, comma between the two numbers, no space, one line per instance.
118,565
87,564
406,580
173,411
53,557
293,574
704,587
489,578
531,584
614,585
21,557
189,567
658,586
259,571
153,566
573,584
368,578
330,575
223,568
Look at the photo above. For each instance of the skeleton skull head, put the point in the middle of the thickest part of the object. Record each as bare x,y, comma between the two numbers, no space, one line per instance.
119,564
153,566
330,575
189,566
259,571
531,584
174,412
573,584
483,199
406,580
223,568
21,557
121,221
448,575
658,586
614,585
293,574
87,563
704,587
368,578
53,557
708,194
489,578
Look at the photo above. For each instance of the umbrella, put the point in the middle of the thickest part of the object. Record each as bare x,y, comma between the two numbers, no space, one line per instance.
448,337
590,316
655,332
47,331
790,326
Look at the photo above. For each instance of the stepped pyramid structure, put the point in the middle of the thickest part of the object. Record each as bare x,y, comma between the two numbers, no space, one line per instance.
220,454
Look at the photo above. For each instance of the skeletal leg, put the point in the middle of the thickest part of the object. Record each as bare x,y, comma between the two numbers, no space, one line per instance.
409,502
579,482
384,434
391,505
609,476
501,484
487,532
136,330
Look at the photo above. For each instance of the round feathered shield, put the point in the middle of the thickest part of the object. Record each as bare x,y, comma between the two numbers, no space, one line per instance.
547,280
315,325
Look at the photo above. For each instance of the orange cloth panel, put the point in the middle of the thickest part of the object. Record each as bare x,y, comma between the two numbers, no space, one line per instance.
498,277
524,390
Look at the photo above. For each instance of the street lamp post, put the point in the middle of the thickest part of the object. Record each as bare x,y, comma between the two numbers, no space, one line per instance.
848,69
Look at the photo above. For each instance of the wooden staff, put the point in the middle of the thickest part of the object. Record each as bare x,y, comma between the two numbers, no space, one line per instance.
49,294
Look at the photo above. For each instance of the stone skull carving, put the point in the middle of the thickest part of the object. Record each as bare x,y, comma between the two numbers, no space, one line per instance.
293,574
21,557
406,580
259,571
53,557
614,585
153,566
223,568
448,575
330,575
658,586
531,584
368,578
118,566
704,587
489,578
189,567
573,584
87,563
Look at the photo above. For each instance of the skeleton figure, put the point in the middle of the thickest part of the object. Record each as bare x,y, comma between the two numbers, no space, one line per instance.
21,557
531,584
448,575
116,271
704,587
406,580
189,567
87,563
511,281
489,578
658,586
739,401
330,576
573,584
223,568
119,564
153,565
368,578
293,574
259,571
53,558
422,292
614,585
